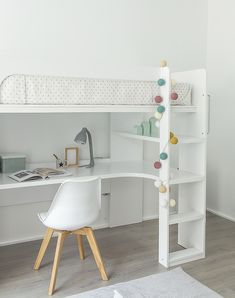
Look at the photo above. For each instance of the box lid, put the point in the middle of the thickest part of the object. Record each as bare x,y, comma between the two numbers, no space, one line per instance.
11,155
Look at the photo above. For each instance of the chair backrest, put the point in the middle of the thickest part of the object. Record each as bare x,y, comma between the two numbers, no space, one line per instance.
76,204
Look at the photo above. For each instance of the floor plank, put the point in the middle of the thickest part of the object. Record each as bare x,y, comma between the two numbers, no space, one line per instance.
129,252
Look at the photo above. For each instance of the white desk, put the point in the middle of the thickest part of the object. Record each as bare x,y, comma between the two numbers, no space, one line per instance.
107,170
25,226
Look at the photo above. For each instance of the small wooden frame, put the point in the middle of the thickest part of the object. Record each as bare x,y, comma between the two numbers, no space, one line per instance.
72,156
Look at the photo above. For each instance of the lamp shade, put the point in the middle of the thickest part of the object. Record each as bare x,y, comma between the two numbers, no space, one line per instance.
81,137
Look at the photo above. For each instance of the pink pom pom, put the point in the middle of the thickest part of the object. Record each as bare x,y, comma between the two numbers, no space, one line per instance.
157,165
174,95
158,99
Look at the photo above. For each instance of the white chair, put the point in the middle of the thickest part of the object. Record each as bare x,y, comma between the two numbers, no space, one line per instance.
75,206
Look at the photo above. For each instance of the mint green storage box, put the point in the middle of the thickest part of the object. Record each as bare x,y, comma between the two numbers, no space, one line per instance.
10,163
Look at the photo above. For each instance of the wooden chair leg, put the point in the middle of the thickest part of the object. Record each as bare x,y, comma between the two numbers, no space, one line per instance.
81,247
59,247
96,252
43,248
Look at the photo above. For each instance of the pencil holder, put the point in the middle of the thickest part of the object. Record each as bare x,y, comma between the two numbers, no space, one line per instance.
61,163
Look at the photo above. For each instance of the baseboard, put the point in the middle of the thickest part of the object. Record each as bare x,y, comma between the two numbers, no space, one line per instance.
23,240
150,217
40,237
102,226
221,214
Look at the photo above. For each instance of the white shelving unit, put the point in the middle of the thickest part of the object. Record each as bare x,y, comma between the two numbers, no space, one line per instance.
189,124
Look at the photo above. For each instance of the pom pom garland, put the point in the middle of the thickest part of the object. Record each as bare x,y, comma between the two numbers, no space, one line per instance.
161,82
173,83
157,183
163,203
161,109
157,165
157,123
174,95
163,156
174,140
171,135
163,63
158,115
162,188
158,99
172,203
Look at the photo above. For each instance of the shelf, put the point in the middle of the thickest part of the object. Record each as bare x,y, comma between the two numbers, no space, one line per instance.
137,137
185,217
184,256
27,108
180,177
182,139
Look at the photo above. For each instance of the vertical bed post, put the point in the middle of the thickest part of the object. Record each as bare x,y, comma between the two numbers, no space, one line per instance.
165,170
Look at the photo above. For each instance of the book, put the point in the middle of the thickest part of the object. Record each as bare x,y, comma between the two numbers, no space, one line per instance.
37,174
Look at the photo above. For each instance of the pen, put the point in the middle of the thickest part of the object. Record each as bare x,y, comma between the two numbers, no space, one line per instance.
55,156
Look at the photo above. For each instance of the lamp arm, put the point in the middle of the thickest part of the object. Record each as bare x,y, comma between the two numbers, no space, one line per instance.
92,163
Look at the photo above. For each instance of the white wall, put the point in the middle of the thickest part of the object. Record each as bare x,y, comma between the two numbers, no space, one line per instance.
71,36
221,82
41,135
77,37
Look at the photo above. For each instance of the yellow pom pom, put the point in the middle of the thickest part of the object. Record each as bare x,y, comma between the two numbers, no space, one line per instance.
163,63
172,203
158,115
162,188
171,135
173,83
174,140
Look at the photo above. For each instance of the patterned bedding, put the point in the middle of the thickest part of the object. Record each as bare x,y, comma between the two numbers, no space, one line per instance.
48,90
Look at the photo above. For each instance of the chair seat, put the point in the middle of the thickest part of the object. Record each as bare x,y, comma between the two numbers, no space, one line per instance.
42,216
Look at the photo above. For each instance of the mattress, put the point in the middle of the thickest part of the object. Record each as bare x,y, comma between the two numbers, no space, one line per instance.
49,90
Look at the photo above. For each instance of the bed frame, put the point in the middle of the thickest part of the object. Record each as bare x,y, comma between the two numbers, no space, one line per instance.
190,124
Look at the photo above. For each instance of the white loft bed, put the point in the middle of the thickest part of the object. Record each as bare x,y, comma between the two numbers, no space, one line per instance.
189,121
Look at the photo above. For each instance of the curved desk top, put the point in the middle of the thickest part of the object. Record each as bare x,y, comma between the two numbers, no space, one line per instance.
107,170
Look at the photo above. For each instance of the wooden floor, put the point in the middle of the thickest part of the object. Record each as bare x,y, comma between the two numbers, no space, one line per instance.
129,252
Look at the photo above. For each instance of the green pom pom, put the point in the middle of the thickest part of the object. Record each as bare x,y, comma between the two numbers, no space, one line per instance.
161,82
161,109
163,156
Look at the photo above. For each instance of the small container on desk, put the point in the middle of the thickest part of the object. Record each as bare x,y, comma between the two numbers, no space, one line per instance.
10,163
61,163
